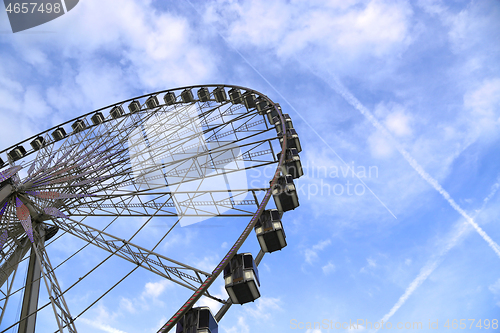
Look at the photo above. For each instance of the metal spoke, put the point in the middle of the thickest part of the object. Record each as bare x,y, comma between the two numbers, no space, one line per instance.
175,159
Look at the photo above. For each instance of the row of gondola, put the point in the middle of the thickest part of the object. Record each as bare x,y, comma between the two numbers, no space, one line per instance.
241,276
186,96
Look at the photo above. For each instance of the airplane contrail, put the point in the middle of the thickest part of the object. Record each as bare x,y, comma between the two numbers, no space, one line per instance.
433,263
346,94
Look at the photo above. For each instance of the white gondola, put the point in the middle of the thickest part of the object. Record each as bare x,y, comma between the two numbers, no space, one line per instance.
59,134
117,112
220,95
97,118
152,103
284,194
197,320
17,153
288,123
272,113
203,94
262,105
78,126
292,139
241,279
269,231
135,106
235,96
249,101
187,96
292,165
169,98
37,143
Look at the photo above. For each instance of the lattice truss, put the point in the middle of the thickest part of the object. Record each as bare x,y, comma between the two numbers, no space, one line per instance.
183,160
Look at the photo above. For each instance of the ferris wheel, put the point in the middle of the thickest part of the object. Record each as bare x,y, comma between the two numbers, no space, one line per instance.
179,156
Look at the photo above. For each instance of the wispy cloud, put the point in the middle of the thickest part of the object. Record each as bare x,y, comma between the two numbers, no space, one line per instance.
240,327
101,326
328,268
336,85
311,254
264,308
460,232
102,320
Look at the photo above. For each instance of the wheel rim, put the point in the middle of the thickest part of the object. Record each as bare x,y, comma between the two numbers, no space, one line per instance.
95,172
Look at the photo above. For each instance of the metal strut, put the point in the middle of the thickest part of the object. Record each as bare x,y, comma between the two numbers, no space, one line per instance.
59,306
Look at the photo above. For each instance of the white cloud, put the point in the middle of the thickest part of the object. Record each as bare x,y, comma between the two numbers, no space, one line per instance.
264,307
372,263
358,328
473,26
313,330
208,263
101,326
102,320
211,303
155,289
328,268
483,104
340,31
312,253
128,305
82,69
380,146
240,327
495,288
398,123
432,6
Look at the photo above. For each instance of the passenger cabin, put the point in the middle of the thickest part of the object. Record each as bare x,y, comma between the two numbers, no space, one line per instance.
78,126
151,103
2,163
235,96
269,231
197,320
291,165
135,106
97,118
37,143
203,94
59,134
17,153
272,113
262,105
292,139
220,95
241,279
249,101
117,112
187,96
169,98
284,194
288,123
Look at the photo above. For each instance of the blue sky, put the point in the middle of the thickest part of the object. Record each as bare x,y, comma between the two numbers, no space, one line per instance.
409,90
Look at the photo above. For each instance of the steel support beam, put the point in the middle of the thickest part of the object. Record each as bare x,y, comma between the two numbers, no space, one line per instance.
140,256
30,299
